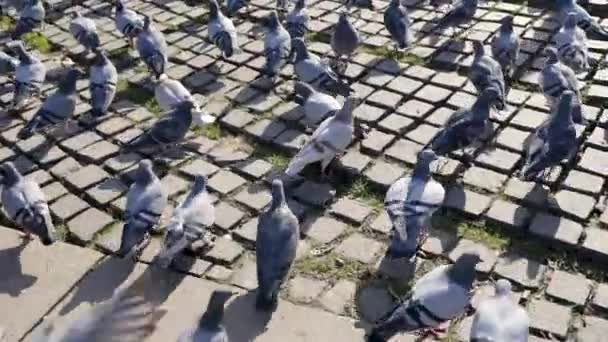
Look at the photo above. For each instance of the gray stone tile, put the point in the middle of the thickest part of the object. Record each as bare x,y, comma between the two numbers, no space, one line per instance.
573,288
553,227
351,210
225,182
555,323
87,224
360,248
305,290
324,229
225,251
227,216
338,297
526,272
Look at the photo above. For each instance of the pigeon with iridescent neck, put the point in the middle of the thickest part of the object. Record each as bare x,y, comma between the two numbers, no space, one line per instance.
397,23
221,31
31,16
127,21
345,39
30,74
169,93
102,83
485,73
277,44
506,46
555,78
152,48
296,22
85,32
572,46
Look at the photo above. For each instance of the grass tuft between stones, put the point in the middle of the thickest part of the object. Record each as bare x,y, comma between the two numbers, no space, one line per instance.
6,23
331,266
36,40
212,131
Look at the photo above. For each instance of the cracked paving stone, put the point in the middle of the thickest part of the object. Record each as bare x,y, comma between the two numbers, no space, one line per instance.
523,271
351,210
305,290
573,203
199,167
324,229
468,201
225,182
488,256
87,176
555,323
572,288
255,196
246,275
227,216
595,241
87,224
360,248
553,227
225,251
508,213
384,174
316,194
339,296
374,303
68,206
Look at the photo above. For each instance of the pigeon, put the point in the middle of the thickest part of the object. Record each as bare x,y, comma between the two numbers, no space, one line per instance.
5,8
555,78
585,21
276,244
437,297
506,46
397,23
169,93
57,108
25,204
233,6
127,21
277,45
552,141
296,22
365,4
461,13
465,126
30,74
317,105
500,319
102,84
210,327
8,64
125,317
282,5
170,129
571,44
221,31
439,3
31,16
189,222
85,32
152,48
331,138
345,39
410,203
310,69
146,201
485,73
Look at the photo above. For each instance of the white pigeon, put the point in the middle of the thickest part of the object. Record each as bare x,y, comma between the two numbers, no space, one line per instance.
331,138
317,105
169,93
499,318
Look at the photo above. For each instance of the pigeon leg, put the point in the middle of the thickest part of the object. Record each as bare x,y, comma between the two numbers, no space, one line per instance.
27,236
137,250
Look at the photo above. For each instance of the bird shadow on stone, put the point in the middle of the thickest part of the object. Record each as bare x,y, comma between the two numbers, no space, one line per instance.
99,285
156,284
243,322
12,269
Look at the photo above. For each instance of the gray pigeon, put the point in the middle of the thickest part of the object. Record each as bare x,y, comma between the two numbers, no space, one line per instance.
317,105
296,22
485,73
210,327
85,32
152,48
8,64
366,4
585,21
169,93
572,46
57,108
461,13
506,46
437,297
189,223
170,129
552,141
102,83
345,39
125,317
499,318
410,203
277,45
233,6
331,138
555,78
310,69
439,3
127,21
24,204
146,201
30,74
5,8
465,126
276,244
397,23
221,31
31,16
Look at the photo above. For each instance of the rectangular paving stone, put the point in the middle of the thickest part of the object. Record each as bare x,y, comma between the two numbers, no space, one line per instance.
556,322
360,248
225,251
305,290
351,210
68,206
86,176
338,297
87,224
595,241
573,203
468,201
323,229
225,181
488,256
30,287
508,214
521,270
484,179
573,288
553,227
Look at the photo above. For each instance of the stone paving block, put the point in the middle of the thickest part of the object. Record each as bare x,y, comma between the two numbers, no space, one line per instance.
227,216
99,151
507,213
31,287
374,303
225,251
600,297
340,295
376,141
405,151
382,224
488,256
360,248
247,231
523,271
355,161
86,176
64,167
584,182
553,227
54,191
87,224
324,229
594,329
573,203
219,273
530,193
107,191
573,288
173,185
351,210
199,167
594,161
555,323
225,182
257,168
305,290
255,197
484,179
383,174
246,275
499,160
67,206
468,201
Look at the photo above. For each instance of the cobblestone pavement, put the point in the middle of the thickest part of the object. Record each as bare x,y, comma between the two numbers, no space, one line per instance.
550,239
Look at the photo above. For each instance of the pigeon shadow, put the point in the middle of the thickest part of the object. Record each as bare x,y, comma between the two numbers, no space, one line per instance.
243,322
14,281
156,284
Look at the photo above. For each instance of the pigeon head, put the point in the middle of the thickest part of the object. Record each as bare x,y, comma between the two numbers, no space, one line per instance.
147,22
186,105
300,49
300,4
463,270
18,49
10,174
173,243
395,3
571,20
502,287
271,21
100,58
278,194
200,184
213,316
481,108
506,24
470,3
478,49
303,89
145,174
551,55
343,18
346,113
422,170
120,5
214,9
68,83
